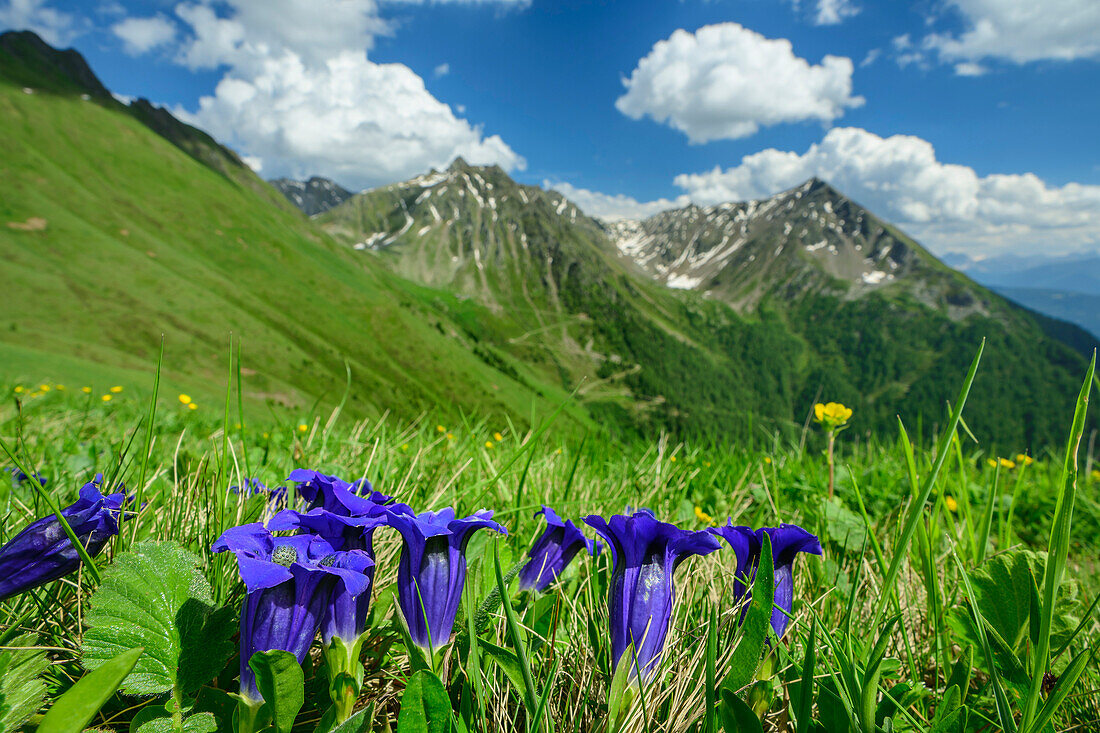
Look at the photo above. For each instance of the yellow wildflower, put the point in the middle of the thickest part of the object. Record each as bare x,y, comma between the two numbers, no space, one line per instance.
952,505
450,436
185,399
990,462
60,388
86,390
498,437
116,389
44,387
832,414
440,429
404,446
267,435
192,406
703,516
706,463
19,389
768,460
302,428
557,452
106,398
1024,459
1005,463
488,444
672,458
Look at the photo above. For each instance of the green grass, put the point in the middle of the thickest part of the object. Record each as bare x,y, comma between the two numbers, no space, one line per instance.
997,540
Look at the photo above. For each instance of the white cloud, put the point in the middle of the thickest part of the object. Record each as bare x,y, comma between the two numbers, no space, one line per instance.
300,94
140,35
969,68
1020,31
518,4
614,207
833,12
55,27
945,206
871,57
725,81
442,70
253,162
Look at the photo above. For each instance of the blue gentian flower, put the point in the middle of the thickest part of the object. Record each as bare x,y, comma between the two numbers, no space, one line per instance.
553,551
335,494
346,615
787,541
18,477
291,582
646,553
42,551
432,570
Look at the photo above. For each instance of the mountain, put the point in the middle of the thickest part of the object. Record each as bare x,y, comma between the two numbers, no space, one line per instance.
695,319
113,234
313,196
1081,309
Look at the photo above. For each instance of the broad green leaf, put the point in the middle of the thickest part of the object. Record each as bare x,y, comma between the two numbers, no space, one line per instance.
280,680
158,720
507,661
154,596
21,690
358,723
960,673
754,633
620,693
425,707
737,717
82,701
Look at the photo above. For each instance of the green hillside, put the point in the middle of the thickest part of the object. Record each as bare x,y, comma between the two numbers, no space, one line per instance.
562,295
111,236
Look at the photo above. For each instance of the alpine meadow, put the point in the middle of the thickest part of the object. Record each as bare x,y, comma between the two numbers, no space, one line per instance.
416,435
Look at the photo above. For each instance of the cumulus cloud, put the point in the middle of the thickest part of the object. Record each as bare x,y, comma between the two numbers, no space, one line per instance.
944,205
833,12
140,35
1020,31
300,94
725,81
54,26
613,207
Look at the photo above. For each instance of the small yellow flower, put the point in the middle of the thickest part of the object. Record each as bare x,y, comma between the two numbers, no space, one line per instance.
450,436
952,505
672,458
498,437
488,444
404,446
60,388
557,452
1024,459
832,414
768,460
106,398
19,389
1005,463
192,406
267,435
44,387
116,389
703,516
302,428
706,463
86,390
185,399
990,462
440,429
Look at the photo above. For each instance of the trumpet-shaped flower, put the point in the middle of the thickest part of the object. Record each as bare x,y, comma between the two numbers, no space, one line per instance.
432,570
553,551
646,553
787,541
336,495
18,477
291,583
42,552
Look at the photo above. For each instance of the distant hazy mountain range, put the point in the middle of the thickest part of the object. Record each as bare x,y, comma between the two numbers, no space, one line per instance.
463,291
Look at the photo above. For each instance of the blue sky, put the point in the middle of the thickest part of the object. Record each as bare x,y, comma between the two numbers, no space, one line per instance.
970,123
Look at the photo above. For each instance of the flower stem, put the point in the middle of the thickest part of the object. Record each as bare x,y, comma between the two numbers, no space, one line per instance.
829,458
345,675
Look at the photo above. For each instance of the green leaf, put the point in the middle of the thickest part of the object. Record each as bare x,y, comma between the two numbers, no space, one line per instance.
155,597
1062,689
804,703
280,680
155,719
737,717
754,633
619,694
507,661
960,673
358,723
21,692
75,708
424,706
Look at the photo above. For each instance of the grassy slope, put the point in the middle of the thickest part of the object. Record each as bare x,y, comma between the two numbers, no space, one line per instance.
143,240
